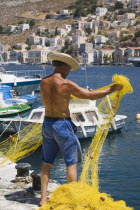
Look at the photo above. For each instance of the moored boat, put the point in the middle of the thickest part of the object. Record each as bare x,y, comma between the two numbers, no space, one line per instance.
84,113
13,110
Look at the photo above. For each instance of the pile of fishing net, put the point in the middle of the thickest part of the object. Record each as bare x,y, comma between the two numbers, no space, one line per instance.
78,196
85,194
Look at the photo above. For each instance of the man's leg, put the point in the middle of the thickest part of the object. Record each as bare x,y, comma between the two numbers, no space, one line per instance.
72,173
45,175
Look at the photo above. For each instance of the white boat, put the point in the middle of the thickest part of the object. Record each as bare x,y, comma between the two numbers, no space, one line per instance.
9,97
84,113
135,61
22,81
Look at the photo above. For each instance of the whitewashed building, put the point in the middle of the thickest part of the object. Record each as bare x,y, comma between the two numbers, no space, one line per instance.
11,28
23,56
101,11
87,57
64,12
79,40
55,42
79,32
67,27
24,27
119,56
86,47
37,56
105,53
6,56
4,47
34,39
21,46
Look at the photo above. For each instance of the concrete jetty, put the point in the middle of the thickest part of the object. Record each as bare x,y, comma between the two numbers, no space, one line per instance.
19,195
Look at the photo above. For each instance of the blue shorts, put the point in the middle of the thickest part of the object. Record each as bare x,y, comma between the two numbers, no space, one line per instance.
60,135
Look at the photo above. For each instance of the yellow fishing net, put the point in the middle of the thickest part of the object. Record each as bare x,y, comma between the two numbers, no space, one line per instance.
21,144
85,194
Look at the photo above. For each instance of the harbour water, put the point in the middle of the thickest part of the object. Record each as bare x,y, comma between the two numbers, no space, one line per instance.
119,168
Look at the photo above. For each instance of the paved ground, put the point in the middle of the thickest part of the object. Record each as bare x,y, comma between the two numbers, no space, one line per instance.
18,196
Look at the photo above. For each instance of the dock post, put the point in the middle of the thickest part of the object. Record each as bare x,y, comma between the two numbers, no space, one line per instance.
36,181
22,169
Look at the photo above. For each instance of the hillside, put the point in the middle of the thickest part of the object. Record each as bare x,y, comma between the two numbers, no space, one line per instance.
12,8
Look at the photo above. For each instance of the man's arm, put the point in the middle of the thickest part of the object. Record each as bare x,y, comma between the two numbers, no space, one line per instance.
83,93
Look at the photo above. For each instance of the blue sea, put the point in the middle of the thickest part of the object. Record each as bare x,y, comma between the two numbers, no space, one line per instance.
119,163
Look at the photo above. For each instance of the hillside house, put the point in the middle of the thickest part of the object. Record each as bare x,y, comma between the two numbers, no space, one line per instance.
6,56
55,42
23,56
113,35
86,47
24,27
37,56
41,29
96,56
78,25
60,31
119,56
34,39
79,33
4,47
11,28
21,46
87,57
101,11
79,40
105,53
67,27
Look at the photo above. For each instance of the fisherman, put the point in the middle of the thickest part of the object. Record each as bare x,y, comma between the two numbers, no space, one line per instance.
58,130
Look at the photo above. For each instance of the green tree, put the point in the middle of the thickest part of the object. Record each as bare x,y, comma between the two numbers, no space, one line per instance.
119,5
56,31
29,47
111,9
1,29
32,23
48,16
21,22
88,30
125,38
107,58
137,34
47,44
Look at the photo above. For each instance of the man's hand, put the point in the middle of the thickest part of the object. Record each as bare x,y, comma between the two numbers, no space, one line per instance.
116,87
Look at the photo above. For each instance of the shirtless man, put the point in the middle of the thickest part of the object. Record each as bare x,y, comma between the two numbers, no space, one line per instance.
58,130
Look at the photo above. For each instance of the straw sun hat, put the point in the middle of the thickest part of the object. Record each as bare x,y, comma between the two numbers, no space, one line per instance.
63,57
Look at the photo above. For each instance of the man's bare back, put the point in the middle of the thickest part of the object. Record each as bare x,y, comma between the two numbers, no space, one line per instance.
55,96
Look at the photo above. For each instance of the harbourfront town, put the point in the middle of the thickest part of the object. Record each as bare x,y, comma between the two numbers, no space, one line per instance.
92,32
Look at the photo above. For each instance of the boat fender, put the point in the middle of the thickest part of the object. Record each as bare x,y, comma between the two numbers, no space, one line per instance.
138,116
113,125
83,129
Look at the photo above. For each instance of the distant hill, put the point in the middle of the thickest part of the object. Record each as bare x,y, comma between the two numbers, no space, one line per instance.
9,9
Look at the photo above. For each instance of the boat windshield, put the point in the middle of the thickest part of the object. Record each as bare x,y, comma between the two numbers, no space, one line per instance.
36,116
90,115
78,117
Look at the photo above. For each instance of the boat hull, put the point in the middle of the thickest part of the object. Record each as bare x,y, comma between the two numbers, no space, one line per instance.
16,126
13,110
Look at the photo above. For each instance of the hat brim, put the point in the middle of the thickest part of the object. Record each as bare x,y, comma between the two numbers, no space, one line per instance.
66,59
